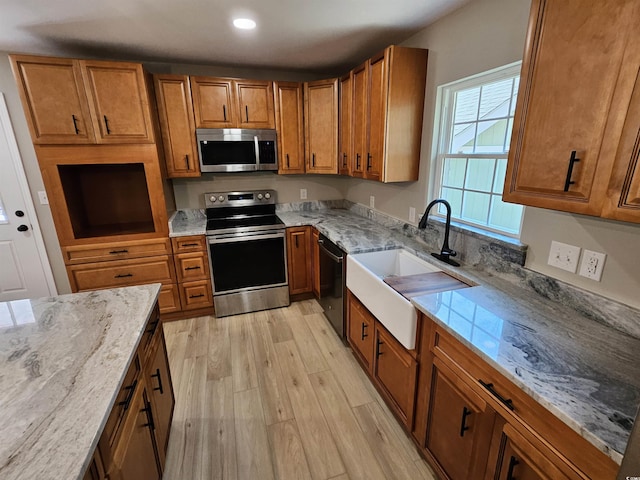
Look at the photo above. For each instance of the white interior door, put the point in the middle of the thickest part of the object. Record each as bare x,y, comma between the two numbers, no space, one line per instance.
24,267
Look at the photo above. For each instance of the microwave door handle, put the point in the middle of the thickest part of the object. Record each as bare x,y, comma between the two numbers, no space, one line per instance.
257,147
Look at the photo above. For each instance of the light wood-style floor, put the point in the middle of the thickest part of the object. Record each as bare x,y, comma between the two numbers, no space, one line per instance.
275,395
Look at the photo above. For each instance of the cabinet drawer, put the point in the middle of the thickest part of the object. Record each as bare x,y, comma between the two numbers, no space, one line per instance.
198,294
116,251
123,400
192,243
169,299
192,266
120,273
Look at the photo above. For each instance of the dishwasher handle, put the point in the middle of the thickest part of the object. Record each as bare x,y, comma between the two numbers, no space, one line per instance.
331,255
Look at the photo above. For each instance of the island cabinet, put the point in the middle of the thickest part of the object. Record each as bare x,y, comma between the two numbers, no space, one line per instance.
569,123
391,367
177,124
68,101
232,103
134,441
321,126
299,260
289,108
472,422
387,108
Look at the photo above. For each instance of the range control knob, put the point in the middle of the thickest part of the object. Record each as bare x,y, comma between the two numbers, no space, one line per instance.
212,199
259,196
221,198
267,195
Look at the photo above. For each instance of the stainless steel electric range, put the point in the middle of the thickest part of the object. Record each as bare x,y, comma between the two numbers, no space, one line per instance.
247,252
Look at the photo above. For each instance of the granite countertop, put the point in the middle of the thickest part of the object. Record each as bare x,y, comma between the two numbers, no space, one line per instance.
62,362
584,372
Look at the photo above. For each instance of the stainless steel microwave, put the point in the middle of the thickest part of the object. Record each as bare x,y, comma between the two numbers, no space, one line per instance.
236,149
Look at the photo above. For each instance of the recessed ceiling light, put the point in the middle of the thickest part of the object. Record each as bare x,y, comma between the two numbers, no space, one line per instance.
244,23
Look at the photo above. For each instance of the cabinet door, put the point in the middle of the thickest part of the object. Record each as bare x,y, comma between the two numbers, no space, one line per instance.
118,101
574,56
521,460
623,202
377,100
395,370
459,425
161,396
299,259
255,104
360,120
290,126
361,332
213,102
53,99
175,110
135,455
346,125
315,263
321,126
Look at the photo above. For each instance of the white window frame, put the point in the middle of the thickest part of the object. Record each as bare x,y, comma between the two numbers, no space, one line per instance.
444,120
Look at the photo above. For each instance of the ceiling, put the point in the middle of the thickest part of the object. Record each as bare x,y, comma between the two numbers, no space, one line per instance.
299,35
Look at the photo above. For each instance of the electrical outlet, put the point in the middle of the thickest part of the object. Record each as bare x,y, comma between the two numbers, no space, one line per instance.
564,256
303,194
412,214
42,195
592,265
372,201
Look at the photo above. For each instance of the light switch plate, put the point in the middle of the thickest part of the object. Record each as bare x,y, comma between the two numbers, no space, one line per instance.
592,264
42,196
564,256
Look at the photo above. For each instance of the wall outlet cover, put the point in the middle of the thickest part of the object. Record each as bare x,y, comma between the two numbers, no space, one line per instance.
592,264
303,194
372,201
564,256
42,196
412,214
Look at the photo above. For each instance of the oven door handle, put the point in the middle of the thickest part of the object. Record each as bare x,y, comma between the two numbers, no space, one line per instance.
243,238
331,255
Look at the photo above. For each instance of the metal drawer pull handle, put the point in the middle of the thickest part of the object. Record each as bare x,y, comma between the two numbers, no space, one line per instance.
572,161
246,112
296,237
124,275
150,423
115,252
357,161
125,403
512,464
159,387
378,345
186,159
506,401
287,160
192,268
197,296
463,424
364,335
368,161
344,160
75,124
152,327
313,161
190,245
224,112
106,124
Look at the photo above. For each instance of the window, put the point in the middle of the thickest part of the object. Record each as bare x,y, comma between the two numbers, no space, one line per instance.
476,120
3,215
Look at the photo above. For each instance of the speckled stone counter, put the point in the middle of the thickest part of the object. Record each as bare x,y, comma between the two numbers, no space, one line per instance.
554,341
187,222
62,362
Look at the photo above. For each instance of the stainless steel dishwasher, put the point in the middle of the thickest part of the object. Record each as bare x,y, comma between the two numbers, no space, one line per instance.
332,284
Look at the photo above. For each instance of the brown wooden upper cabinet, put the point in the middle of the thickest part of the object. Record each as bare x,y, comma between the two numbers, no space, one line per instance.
175,111
231,103
580,66
388,104
69,101
345,140
290,126
321,126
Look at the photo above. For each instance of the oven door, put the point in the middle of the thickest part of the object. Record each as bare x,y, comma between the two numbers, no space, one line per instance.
247,261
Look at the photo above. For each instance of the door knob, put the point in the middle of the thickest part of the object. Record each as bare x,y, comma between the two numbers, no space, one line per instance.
23,228
19,213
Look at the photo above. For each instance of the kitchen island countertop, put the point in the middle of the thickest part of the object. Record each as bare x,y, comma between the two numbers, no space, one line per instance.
62,362
585,372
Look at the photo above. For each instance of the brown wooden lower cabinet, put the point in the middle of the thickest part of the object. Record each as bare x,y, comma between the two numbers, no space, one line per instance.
299,259
360,332
134,441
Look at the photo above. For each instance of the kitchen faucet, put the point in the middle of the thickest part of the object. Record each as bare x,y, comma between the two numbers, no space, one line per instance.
445,252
